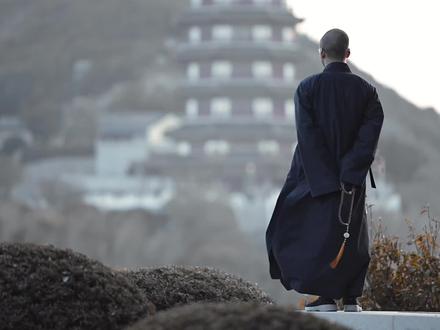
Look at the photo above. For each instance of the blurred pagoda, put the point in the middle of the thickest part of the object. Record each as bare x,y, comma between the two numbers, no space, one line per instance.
238,60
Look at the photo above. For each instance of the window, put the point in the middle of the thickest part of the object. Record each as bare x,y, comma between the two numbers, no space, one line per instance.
262,69
268,147
262,32
194,34
216,147
288,34
262,107
193,71
221,107
289,109
288,71
184,148
221,69
222,32
192,108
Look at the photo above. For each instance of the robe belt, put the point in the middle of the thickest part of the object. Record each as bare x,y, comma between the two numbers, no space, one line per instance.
373,184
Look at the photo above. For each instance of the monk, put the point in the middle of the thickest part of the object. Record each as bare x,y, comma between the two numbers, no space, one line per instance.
317,238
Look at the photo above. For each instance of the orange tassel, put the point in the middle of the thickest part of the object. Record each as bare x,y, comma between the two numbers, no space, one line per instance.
335,261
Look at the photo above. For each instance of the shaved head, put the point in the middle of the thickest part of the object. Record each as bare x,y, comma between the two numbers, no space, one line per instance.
334,42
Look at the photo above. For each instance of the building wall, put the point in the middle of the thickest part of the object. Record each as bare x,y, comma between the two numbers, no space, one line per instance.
114,157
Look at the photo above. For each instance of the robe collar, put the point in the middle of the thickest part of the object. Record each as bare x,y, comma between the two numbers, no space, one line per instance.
337,67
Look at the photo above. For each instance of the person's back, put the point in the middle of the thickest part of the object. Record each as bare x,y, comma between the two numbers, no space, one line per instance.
317,243
339,98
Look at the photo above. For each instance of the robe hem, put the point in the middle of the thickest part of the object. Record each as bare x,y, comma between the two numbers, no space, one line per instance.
331,293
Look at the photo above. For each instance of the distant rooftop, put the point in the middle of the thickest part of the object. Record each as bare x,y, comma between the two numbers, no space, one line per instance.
239,128
11,123
125,124
239,14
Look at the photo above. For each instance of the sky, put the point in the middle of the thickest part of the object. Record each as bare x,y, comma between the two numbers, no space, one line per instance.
395,41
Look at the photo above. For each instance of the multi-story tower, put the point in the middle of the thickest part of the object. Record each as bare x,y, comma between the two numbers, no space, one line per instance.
239,59
236,93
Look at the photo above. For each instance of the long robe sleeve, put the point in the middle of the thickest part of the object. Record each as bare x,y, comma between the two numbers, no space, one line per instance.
357,161
319,165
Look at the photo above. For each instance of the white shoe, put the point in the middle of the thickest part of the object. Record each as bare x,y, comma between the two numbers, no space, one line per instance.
352,308
351,305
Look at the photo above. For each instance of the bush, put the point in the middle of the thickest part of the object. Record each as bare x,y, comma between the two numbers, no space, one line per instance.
233,315
173,285
42,287
404,280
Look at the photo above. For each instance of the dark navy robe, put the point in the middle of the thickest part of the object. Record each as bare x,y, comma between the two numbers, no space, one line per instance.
338,122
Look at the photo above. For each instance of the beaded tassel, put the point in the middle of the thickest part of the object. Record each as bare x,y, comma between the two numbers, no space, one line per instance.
334,263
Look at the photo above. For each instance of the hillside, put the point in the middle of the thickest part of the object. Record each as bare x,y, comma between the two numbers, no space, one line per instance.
42,40
124,42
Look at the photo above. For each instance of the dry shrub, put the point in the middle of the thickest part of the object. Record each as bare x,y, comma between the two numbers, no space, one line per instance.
234,315
404,280
172,285
42,287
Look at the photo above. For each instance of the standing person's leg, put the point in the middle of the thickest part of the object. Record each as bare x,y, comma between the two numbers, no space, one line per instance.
356,284
354,262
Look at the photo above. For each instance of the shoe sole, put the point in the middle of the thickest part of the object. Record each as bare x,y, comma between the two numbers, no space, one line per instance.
352,308
321,308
